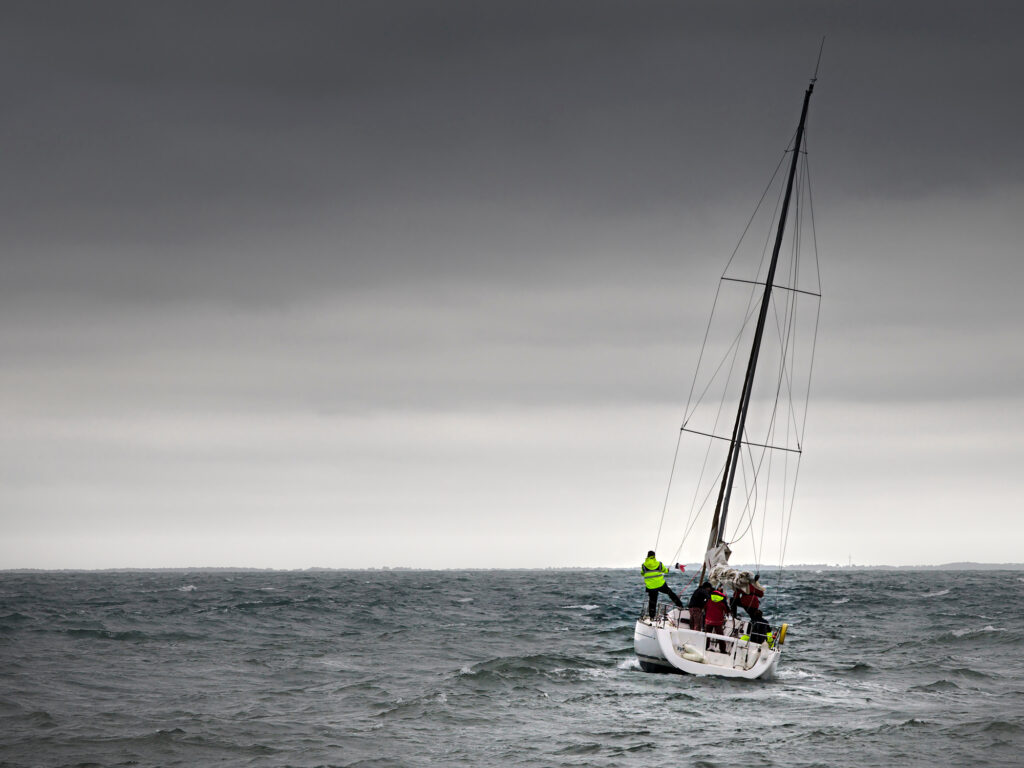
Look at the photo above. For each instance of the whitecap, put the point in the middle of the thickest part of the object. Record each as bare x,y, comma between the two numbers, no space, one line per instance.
587,607
464,600
986,628
790,673
268,589
187,588
633,663
940,593
840,601
466,670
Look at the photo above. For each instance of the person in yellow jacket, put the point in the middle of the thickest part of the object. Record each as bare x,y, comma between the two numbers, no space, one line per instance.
654,579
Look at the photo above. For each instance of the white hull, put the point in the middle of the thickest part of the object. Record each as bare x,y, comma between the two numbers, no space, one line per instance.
660,647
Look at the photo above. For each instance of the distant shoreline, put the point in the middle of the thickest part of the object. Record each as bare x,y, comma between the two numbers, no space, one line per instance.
691,567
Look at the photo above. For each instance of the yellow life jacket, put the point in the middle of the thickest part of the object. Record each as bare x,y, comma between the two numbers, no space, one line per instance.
653,572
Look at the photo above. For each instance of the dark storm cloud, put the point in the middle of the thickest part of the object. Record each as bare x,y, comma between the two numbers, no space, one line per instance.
153,150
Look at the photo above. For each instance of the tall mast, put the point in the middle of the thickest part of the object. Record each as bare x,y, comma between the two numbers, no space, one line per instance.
732,459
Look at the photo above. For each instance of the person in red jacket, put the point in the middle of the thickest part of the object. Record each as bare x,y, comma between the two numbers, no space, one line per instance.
749,601
714,615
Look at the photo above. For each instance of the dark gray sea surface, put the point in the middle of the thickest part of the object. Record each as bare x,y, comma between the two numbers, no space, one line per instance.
496,668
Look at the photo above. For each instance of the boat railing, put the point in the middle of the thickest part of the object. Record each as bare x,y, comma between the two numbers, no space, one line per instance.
737,629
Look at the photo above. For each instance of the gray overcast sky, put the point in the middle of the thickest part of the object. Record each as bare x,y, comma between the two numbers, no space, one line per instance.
398,283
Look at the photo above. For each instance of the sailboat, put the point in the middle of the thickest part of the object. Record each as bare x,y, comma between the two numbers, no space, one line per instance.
745,648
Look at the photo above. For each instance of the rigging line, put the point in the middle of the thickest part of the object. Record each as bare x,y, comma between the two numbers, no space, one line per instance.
752,308
747,515
700,356
792,497
784,342
785,371
774,287
671,474
767,486
814,232
797,265
764,251
757,466
814,342
772,427
732,256
745,512
770,432
792,332
730,354
787,518
688,414
771,228
696,491
687,526
787,341
798,329
704,504
810,373
785,538
744,442
749,512
752,304
817,318
774,412
789,354
694,512
757,207
758,546
792,329
786,348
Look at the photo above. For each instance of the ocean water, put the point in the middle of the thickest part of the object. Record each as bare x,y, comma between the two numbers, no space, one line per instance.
496,668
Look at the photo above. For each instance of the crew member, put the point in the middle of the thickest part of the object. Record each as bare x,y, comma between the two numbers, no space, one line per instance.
654,579
698,600
750,600
714,615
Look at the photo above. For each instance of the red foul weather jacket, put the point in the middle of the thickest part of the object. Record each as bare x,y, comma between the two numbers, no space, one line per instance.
715,610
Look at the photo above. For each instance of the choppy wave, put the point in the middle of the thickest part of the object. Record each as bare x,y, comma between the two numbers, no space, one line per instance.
418,669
